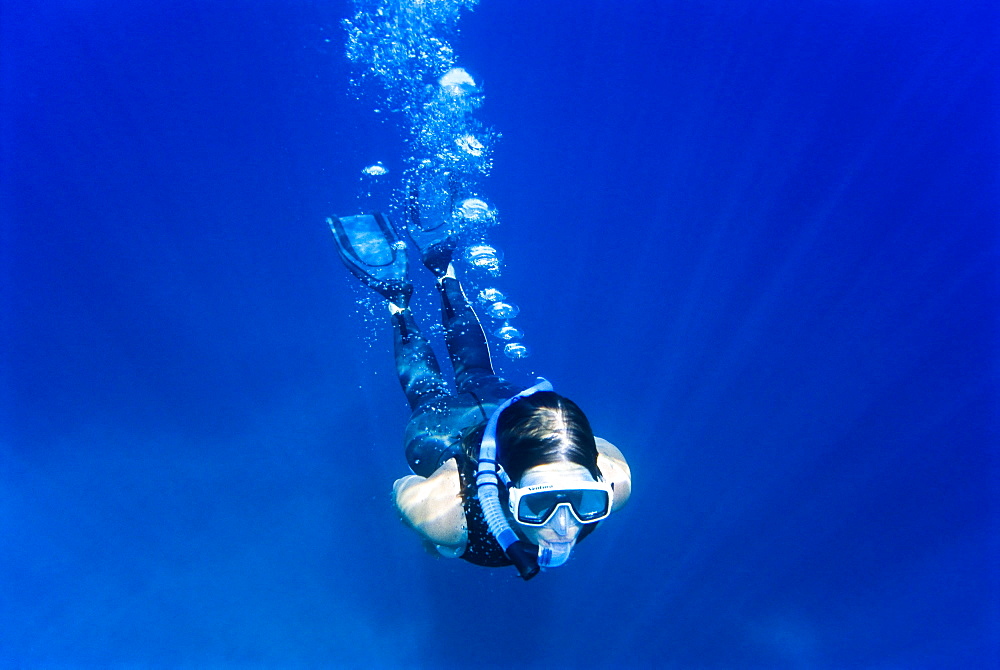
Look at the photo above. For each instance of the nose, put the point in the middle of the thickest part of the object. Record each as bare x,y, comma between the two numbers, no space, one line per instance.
562,522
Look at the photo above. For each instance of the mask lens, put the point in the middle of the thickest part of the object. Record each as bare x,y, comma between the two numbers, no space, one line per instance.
588,504
536,507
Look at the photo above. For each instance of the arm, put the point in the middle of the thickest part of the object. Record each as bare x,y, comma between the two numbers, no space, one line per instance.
615,470
432,506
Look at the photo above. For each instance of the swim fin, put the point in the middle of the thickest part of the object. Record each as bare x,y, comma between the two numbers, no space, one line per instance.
435,233
372,251
434,227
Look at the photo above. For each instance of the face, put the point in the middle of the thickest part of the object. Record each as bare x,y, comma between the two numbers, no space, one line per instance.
562,529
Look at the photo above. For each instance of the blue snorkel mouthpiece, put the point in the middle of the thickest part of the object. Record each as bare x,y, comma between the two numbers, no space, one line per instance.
555,554
522,554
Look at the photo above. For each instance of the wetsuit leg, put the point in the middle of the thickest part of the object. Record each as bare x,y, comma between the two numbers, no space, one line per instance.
417,366
467,346
433,432
468,350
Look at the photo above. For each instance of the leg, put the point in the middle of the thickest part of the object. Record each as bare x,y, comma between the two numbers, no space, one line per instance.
467,346
436,237
417,366
433,429
369,247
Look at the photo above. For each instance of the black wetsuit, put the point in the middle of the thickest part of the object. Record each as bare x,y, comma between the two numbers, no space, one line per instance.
449,424
440,414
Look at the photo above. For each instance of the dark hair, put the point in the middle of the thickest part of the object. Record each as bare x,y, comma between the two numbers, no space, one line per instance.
545,428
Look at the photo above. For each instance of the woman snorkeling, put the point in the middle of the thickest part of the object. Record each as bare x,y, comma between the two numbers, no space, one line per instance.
502,475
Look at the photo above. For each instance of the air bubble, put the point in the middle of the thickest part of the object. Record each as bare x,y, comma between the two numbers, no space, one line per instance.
470,145
475,210
508,332
503,310
488,295
457,82
376,170
516,351
484,257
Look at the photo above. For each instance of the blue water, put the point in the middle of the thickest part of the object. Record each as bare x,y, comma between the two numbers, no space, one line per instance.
755,241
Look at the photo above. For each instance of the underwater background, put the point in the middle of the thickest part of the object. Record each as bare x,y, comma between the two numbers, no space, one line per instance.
755,241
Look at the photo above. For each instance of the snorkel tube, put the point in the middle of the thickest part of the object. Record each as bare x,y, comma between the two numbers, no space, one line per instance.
522,554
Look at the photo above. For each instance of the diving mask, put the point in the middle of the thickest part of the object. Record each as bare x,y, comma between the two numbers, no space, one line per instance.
534,505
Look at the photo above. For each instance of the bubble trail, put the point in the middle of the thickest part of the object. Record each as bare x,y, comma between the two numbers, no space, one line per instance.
405,57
